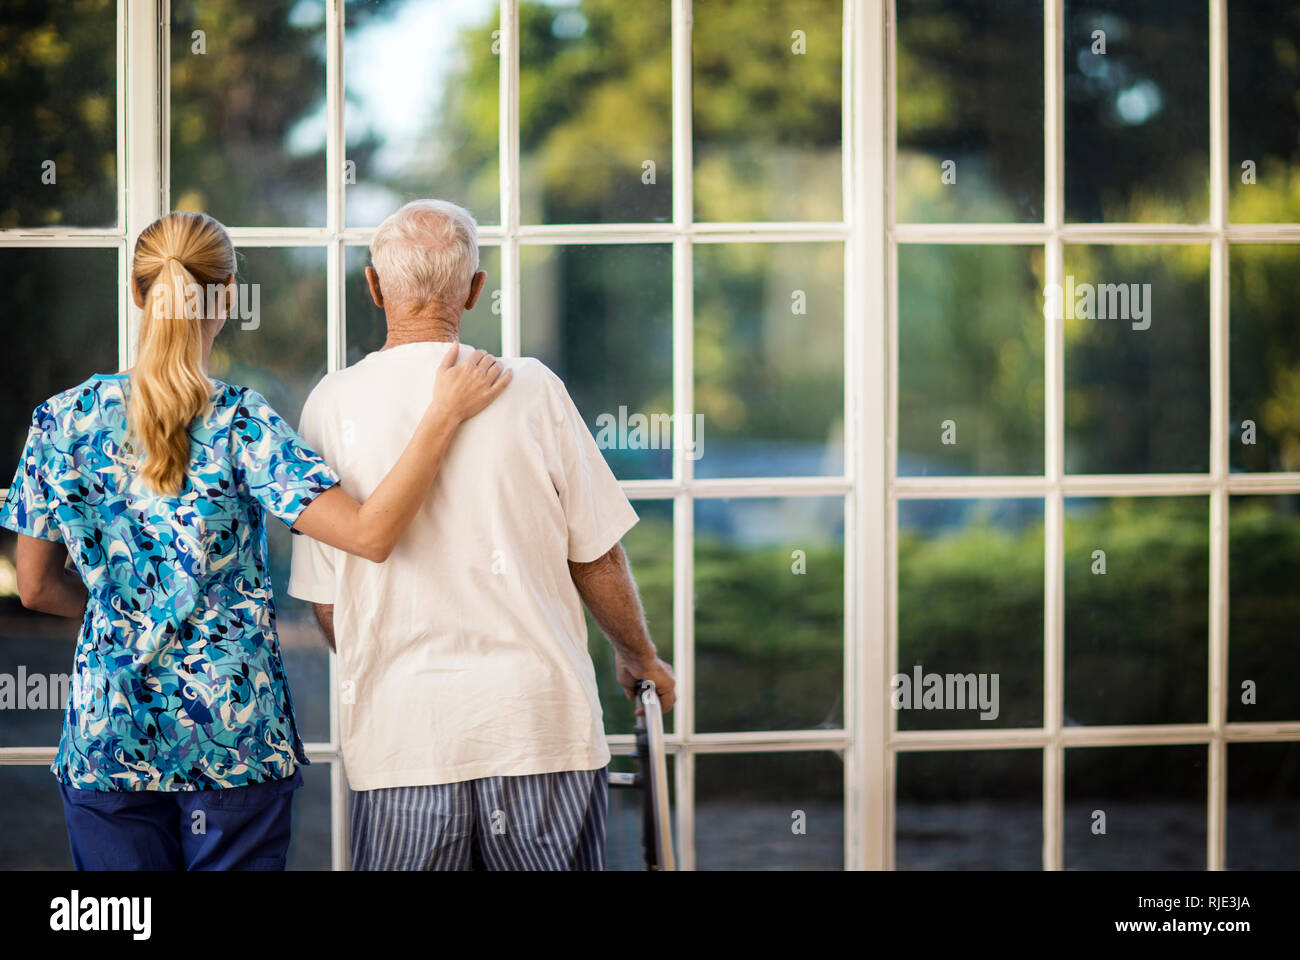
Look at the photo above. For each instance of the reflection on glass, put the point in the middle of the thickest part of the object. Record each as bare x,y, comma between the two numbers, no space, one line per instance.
1137,128
649,547
595,111
33,835
969,810
58,142
36,664
248,119
1263,797
367,329
1263,112
766,109
970,330
970,91
309,846
748,805
1264,384
1150,801
1137,358
420,111
62,327
600,317
1263,608
769,359
769,614
279,350
970,613
624,825
1136,610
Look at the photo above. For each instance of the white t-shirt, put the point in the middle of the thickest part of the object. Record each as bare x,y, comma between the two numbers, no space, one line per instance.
464,655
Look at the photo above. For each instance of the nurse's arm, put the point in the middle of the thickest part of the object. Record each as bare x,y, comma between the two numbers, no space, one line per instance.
44,583
372,529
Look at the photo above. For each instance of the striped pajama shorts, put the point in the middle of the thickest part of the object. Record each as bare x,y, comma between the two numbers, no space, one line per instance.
545,821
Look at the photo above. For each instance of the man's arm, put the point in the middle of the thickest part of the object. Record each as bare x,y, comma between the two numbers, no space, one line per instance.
325,617
44,583
607,588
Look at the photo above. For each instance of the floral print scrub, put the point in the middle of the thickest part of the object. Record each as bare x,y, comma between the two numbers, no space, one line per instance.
178,682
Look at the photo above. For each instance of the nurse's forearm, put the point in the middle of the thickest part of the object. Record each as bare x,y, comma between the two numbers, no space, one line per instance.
63,595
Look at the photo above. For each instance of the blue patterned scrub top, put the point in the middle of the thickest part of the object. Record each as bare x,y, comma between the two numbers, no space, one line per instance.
178,683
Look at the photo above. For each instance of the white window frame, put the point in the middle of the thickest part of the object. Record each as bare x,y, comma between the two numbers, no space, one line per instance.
869,741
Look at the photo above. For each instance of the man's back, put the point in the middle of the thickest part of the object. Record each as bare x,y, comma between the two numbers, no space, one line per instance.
464,655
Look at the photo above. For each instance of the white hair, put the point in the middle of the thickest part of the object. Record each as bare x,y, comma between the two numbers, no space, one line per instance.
426,252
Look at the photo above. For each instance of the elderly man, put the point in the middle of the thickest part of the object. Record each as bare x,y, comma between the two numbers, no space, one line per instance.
470,722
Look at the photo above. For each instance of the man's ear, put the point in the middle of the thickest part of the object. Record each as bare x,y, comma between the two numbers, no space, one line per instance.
475,288
372,281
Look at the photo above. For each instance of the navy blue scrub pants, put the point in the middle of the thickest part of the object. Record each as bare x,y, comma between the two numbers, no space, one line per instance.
239,828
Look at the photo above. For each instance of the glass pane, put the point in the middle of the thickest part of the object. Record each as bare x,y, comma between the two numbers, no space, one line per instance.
248,119
33,835
367,329
595,111
769,359
1137,358
1135,808
36,663
58,141
277,344
769,614
303,647
309,846
649,547
970,331
439,136
1137,606
969,810
1137,113
1263,796
1263,112
970,615
74,292
601,317
766,108
279,349
624,821
970,92
1263,608
769,811
1264,389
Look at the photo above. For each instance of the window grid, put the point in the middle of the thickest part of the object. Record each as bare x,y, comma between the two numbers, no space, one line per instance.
870,741
1054,485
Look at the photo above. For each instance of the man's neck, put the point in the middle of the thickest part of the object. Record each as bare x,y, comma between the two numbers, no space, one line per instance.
416,328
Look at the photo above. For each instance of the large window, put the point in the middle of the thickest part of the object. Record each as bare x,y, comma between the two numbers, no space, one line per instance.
820,234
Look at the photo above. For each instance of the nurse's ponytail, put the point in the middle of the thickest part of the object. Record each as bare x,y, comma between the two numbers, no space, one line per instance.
178,259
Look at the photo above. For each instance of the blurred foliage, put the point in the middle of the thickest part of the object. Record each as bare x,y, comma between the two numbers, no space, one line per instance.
247,145
58,77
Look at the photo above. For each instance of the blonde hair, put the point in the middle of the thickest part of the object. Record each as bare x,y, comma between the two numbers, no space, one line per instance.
426,252
175,256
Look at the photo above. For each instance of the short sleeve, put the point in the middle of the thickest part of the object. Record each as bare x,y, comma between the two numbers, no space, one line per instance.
595,508
26,508
278,468
311,572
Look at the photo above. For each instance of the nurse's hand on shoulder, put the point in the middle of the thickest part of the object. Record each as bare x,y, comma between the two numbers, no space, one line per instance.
463,389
